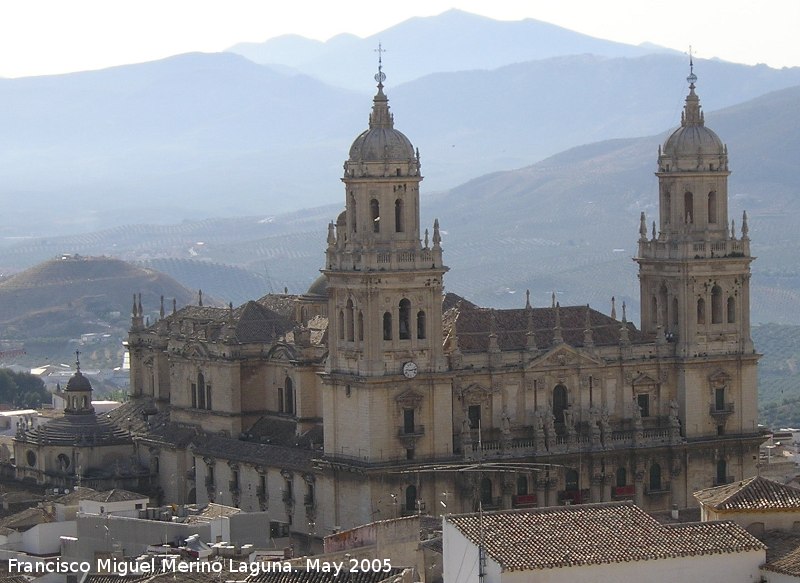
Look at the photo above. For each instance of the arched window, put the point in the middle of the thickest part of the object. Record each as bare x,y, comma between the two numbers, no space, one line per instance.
421,325
411,498
486,492
398,216
701,311
559,402
662,305
289,396
688,206
716,305
675,312
731,310
571,480
281,401
712,207
655,478
360,326
349,315
375,215
722,472
667,207
387,326
522,485
340,324
353,213
404,324
622,477
201,391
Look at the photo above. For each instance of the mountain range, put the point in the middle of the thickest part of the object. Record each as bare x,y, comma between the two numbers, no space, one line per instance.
199,136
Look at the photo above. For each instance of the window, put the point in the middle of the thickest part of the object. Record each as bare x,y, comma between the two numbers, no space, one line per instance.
486,492
411,498
712,207
360,326
375,214
667,207
353,213
474,414
349,315
719,399
404,325
281,403
340,323
643,400
675,312
655,478
622,477
194,395
421,325
289,396
722,472
201,391
731,310
398,216
571,480
559,402
208,397
387,326
688,205
654,310
716,305
408,420
522,485
410,454
701,311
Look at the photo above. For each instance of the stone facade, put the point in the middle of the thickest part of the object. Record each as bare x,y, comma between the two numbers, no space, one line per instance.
370,396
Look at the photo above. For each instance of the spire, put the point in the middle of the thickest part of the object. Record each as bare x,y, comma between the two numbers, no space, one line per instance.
161,311
733,229
528,299
691,115
588,339
380,116
77,362
174,305
613,308
623,331
200,298
426,238
139,306
553,299
558,338
529,334
331,235
745,228
642,227
654,230
437,238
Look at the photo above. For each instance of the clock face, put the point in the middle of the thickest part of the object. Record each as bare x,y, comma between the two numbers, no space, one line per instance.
410,370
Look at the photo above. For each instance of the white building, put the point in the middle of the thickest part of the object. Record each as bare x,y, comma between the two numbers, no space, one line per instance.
596,542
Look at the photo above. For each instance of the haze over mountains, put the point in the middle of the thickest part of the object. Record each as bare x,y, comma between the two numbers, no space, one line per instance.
206,135
202,136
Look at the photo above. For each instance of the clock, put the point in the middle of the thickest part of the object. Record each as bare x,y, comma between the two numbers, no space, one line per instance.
410,370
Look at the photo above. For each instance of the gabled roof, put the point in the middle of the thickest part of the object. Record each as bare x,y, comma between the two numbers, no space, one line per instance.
593,534
783,552
27,518
756,493
114,495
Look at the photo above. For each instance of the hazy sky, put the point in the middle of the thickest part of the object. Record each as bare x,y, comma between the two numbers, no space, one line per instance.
54,36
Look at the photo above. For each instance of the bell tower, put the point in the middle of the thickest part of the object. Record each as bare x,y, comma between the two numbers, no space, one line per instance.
384,281
695,272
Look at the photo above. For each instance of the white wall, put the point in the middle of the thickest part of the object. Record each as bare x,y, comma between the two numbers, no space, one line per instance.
45,539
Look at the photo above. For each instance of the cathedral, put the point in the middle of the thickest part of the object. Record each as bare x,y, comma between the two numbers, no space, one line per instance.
375,395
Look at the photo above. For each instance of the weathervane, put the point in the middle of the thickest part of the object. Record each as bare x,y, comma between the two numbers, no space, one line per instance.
380,76
692,77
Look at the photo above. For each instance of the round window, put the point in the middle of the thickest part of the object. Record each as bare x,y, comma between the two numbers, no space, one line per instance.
31,457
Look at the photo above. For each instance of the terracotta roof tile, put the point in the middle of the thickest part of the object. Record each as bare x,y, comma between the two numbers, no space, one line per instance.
783,552
594,534
756,493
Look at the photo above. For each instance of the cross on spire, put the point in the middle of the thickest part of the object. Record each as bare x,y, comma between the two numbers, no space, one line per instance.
78,360
380,76
692,77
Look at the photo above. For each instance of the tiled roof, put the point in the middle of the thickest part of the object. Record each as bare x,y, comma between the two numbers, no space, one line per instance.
756,493
783,552
27,518
77,494
257,323
593,534
299,575
294,458
213,510
472,326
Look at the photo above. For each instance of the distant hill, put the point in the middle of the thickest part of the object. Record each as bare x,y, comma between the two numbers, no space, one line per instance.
54,302
452,41
214,135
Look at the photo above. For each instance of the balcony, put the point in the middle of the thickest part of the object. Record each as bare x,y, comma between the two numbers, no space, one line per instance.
657,489
623,491
408,431
574,496
723,413
524,500
723,481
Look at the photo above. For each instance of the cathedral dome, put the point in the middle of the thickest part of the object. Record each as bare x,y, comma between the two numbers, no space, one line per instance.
693,146
319,287
381,142
78,382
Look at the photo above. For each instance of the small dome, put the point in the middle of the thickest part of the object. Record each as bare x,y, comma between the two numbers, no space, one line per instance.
319,287
78,382
693,140
381,141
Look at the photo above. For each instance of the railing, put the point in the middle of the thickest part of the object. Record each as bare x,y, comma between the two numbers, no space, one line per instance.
523,500
623,491
658,490
415,430
574,496
683,249
727,410
726,480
